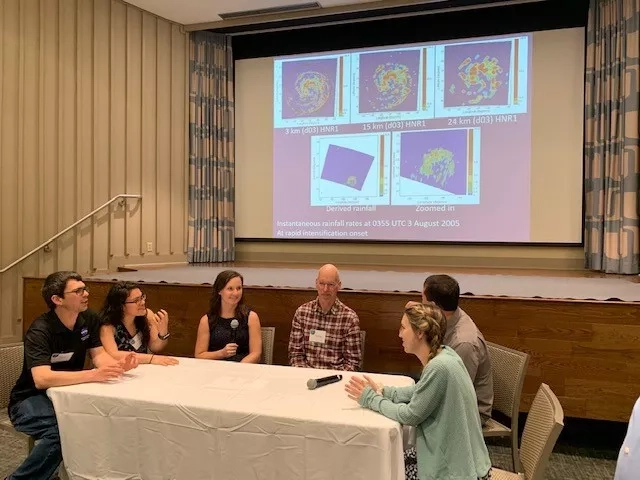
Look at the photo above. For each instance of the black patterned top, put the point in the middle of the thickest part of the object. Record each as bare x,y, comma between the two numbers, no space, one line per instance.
127,343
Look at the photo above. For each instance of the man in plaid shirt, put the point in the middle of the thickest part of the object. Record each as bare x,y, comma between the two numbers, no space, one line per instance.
325,333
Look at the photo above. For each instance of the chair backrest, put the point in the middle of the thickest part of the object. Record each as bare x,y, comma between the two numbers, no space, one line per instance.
363,336
509,368
268,335
541,430
11,359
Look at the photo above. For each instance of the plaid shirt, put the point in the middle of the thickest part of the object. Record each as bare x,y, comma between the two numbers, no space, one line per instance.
341,349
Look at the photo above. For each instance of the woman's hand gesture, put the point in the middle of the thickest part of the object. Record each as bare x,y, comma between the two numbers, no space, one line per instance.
160,320
229,350
164,360
356,386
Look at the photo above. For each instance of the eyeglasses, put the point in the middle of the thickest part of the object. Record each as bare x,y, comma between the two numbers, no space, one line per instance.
327,285
138,300
78,291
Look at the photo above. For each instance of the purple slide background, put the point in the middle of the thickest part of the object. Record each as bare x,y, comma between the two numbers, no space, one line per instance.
290,71
503,214
455,54
371,99
342,164
413,145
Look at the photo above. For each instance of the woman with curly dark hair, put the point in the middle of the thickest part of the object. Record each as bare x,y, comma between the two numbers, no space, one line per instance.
129,326
230,330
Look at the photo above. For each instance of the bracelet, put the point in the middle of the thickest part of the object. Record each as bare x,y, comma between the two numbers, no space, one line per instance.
151,359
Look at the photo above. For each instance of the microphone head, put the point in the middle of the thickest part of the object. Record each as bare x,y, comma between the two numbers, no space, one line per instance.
234,323
312,384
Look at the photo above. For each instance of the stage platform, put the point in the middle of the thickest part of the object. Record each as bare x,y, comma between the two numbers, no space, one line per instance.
582,329
498,283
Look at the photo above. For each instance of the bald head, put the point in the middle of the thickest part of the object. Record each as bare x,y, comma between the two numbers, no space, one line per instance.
328,284
329,271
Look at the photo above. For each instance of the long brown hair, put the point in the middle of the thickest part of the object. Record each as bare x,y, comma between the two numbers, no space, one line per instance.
215,302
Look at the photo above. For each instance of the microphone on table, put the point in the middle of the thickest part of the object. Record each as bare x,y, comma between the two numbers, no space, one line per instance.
314,383
234,327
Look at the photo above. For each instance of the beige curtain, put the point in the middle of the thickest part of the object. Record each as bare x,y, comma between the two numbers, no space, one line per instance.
211,235
612,241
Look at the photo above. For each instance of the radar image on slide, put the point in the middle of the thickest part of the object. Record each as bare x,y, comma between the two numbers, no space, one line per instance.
309,88
389,81
477,74
393,82
437,158
438,164
346,166
311,92
480,78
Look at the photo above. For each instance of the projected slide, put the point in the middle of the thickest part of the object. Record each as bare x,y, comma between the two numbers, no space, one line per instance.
425,142
312,92
437,167
392,85
482,77
350,169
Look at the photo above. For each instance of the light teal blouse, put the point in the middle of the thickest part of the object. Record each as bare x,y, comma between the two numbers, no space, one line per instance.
443,408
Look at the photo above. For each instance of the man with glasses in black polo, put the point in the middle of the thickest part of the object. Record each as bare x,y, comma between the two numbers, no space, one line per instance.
55,348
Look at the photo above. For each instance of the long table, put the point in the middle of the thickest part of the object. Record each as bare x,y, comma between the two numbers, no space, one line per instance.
207,419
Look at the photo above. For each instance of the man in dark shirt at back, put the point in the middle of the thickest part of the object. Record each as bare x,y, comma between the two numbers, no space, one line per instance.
55,348
464,337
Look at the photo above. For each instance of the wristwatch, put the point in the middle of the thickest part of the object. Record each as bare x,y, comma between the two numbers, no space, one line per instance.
164,337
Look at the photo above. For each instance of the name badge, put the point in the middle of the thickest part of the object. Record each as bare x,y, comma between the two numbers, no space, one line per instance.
61,357
317,336
136,342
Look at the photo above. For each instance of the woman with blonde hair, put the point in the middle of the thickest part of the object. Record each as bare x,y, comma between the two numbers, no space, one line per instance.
442,405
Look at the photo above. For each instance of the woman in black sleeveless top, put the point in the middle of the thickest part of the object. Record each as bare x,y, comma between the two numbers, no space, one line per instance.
230,330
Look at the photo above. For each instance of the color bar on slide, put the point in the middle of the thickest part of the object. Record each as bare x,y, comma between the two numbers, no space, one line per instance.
424,79
516,45
470,161
381,173
340,85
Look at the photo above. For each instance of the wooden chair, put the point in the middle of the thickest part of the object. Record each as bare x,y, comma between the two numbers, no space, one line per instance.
11,358
541,430
509,368
363,336
268,336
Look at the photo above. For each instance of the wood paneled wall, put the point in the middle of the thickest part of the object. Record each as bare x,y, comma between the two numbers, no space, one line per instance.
93,103
588,352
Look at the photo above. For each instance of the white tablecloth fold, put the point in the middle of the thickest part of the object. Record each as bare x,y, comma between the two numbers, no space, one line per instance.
220,420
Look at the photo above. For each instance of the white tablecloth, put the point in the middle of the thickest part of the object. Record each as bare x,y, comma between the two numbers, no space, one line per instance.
206,419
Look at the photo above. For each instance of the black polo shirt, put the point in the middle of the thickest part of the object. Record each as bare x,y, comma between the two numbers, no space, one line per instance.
49,342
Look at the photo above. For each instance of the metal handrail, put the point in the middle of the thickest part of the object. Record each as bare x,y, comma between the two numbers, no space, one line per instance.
73,225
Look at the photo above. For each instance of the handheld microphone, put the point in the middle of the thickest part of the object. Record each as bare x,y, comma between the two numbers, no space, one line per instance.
314,383
234,327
